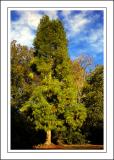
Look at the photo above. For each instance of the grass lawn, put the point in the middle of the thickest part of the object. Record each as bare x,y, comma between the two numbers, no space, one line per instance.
70,147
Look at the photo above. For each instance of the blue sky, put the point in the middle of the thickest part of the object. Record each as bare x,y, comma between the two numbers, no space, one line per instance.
84,29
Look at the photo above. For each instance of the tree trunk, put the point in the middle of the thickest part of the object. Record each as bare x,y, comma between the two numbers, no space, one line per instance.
48,137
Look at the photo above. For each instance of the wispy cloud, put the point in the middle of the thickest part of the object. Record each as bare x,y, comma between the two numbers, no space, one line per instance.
96,40
93,40
52,14
85,33
23,35
84,29
75,23
21,29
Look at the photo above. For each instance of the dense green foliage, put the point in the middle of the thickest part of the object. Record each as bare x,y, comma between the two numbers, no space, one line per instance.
20,81
54,101
93,100
50,94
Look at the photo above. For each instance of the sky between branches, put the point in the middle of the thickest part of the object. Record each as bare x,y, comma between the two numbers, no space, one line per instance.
84,29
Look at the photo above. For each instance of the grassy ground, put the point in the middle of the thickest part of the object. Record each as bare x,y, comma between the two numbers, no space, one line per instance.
70,147
84,146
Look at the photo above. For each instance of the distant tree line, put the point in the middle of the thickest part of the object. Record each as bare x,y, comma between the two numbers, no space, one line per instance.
54,99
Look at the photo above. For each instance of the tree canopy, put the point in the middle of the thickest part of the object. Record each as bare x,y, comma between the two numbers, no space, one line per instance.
92,97
54,94
54,101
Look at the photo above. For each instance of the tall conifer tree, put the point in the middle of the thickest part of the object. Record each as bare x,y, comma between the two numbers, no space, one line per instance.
54,102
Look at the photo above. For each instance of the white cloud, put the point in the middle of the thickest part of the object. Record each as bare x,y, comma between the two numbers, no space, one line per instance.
95,40
23,35
32,19
75,23
21,30
91,38
66,13
52,14
78,23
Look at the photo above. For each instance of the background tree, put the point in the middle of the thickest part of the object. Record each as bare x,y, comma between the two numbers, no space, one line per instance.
54,102
22,132
85,61
93,99
81,66
78,74
20,70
